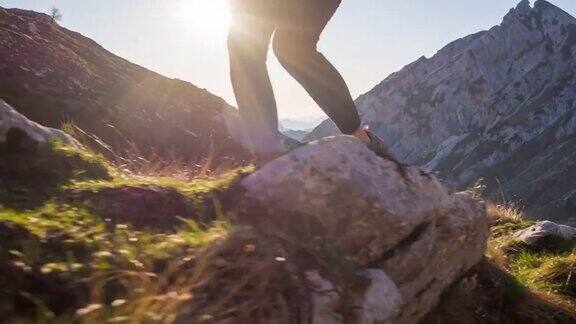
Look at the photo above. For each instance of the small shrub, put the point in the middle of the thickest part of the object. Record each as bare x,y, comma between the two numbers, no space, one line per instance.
55,13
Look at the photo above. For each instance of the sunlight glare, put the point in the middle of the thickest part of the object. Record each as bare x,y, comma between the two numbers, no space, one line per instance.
207,18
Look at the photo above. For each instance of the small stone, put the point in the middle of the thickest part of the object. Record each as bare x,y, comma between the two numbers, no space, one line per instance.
119,319
205,318
88,309
546,229
102,254
118,302
249,248
137,263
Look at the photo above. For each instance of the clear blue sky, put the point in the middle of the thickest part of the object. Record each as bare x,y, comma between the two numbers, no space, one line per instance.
367,39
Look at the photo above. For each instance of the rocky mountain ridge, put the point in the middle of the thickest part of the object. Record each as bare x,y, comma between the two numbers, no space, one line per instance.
499,105
52,74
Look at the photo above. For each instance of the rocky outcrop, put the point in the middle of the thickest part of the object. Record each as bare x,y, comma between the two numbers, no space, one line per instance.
51,74
397,232
39,159
543,232
499,105
19,133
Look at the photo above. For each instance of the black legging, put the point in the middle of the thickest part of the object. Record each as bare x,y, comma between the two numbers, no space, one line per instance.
297,25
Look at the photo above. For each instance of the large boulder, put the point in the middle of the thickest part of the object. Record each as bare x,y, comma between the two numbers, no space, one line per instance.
365,219
19,133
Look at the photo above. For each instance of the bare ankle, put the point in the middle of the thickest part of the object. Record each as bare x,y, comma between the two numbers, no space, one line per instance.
362,135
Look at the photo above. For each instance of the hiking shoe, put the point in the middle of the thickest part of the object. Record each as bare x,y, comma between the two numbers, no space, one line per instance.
378,146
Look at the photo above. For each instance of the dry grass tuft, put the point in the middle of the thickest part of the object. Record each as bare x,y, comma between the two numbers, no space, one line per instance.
243,278
133,161
504,212
498,256
247,278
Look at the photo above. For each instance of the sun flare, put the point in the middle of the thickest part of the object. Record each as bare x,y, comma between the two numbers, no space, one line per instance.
210,18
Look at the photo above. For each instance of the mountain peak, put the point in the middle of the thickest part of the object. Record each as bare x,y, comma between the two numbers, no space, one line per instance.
540,9
522,9
523,6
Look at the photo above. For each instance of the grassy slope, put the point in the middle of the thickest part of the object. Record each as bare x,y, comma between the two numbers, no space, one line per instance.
57,255
550,268
60,261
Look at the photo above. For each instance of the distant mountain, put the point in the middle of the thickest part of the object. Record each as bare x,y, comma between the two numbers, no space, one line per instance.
299,128
499,105
301,124
298,135
52,74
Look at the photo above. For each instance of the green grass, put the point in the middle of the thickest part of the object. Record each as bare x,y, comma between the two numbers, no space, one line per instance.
193,189
547,271
57,256
559,274
548,268
515,283
84,164
68,245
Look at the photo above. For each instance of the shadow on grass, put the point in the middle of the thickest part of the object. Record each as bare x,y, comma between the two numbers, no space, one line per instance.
492,295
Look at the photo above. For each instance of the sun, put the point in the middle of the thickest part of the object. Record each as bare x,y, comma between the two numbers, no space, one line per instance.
210,18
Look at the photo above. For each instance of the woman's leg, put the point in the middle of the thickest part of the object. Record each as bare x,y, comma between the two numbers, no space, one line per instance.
295,46
253,23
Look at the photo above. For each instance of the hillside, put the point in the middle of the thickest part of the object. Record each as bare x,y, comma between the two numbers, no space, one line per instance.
498,105
52,75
